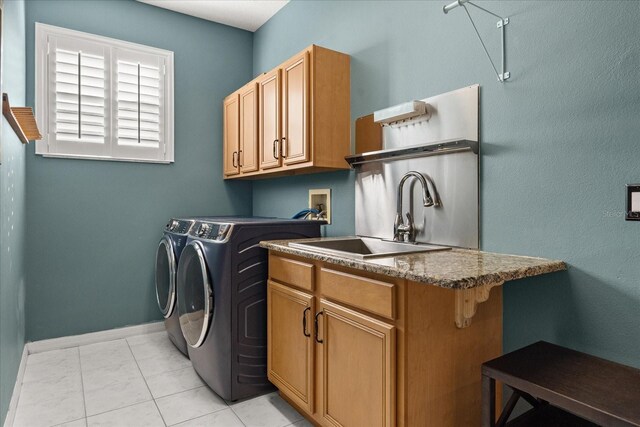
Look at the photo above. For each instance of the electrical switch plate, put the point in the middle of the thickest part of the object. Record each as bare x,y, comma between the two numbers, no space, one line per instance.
633,202
321,198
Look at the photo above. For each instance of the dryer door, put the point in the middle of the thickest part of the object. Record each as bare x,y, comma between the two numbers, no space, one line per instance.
166,277
195,304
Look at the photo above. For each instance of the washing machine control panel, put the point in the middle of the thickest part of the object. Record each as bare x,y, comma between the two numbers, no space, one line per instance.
211,231
178,226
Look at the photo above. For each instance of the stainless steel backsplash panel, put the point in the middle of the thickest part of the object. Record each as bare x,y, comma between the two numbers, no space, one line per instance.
455,175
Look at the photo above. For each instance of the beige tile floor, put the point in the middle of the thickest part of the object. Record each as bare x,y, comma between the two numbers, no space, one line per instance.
139,381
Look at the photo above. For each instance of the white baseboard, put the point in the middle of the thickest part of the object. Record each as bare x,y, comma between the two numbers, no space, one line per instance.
93,337
13,405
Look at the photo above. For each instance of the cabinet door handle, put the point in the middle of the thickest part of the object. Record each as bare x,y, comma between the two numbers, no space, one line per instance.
234,160
316,325
304,322
275,148
240,158
284,147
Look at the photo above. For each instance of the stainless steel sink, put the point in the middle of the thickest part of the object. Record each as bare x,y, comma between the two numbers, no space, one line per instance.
365,247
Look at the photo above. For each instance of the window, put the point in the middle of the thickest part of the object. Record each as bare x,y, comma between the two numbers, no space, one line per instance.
102,98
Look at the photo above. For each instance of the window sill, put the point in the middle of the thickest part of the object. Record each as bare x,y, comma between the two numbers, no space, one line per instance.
110,159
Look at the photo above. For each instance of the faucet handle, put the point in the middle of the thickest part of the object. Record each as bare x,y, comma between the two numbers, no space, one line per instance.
409,229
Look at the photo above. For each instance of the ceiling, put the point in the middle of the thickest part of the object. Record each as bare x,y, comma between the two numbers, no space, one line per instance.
245,14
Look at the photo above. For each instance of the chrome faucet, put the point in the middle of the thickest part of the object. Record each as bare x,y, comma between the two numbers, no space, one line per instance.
406,232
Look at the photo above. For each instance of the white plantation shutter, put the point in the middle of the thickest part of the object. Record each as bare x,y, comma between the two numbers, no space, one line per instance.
139,103
103,98
138,99
78,96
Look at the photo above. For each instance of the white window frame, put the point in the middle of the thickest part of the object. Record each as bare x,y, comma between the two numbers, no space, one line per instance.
42,91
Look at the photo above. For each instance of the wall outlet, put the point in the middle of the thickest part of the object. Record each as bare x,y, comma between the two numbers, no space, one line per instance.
321,199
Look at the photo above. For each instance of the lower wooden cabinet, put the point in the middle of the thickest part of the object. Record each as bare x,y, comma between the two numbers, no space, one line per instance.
357,372
290,347
356,360
350,348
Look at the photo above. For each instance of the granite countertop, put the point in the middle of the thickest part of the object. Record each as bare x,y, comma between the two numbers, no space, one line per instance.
453,269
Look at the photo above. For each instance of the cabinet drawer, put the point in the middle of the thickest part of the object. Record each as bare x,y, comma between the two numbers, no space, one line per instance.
291,271
367,294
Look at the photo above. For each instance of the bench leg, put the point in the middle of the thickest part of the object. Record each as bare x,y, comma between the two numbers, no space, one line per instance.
508,409
488,401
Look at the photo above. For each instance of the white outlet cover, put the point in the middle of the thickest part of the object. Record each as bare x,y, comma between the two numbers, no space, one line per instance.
635,202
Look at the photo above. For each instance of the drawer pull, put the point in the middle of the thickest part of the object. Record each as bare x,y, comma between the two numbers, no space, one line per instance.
304,322
316,325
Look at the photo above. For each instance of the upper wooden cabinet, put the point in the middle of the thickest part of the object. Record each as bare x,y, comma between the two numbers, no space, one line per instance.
295,109
303,116
231,135
248,154
240,135
269,120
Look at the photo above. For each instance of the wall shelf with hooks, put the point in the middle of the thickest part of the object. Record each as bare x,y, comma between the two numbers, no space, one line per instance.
21,120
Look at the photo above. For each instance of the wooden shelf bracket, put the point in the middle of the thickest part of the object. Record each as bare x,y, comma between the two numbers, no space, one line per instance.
21,120
467,301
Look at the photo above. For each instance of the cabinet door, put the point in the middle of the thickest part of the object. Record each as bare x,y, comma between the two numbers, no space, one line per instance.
295,109
358,368
230,143
248,154
290,344
269,119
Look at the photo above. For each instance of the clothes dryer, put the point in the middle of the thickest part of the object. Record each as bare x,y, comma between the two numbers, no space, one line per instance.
168,254
222,299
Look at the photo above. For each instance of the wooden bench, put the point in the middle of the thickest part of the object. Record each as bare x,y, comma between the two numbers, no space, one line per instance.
565,387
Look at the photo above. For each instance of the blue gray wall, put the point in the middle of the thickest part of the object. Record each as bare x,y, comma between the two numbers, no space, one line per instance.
12,207
94,225
559,142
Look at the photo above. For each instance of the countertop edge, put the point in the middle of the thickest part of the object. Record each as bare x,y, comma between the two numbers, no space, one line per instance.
546,266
